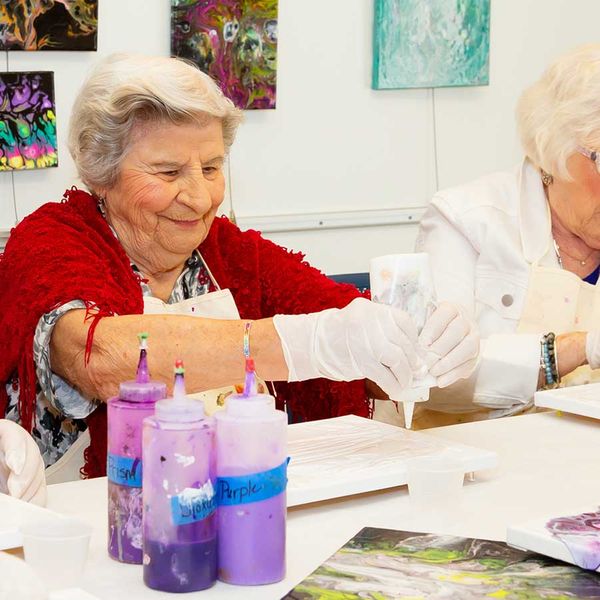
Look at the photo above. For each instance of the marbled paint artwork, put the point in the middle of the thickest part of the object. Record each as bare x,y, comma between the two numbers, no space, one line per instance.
381,564
581,535
234,41
439,43
48,24
27,121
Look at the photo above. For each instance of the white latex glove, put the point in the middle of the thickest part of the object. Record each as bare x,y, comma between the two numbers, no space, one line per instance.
364,340
451,341
22,472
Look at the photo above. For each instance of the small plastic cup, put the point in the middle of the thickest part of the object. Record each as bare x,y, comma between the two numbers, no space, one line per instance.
56,548
435,481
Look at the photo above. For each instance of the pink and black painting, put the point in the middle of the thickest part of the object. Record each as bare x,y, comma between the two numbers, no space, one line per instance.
48,24
27,121
234,41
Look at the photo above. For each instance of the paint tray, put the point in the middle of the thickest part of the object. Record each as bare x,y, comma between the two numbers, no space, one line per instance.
352,455
572,536
581,400
13,513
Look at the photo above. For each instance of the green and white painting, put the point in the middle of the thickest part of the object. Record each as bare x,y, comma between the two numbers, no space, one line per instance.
437,43
384,564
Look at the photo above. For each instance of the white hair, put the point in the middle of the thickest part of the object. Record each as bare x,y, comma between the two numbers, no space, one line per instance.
562,111
127,89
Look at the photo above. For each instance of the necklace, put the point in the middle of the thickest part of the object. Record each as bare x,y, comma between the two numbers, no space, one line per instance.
581,261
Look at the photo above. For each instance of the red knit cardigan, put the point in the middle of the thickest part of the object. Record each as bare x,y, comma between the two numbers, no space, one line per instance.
66,251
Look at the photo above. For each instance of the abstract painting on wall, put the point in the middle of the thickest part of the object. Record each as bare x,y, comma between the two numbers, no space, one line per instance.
48,25
27,121
439,43
234,41
384,563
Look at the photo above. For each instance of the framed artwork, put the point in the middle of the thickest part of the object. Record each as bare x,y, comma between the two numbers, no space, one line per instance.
48,24
27,121
384,563
234,41
439,43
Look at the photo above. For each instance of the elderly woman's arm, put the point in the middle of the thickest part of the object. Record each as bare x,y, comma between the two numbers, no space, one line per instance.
361,340
211,349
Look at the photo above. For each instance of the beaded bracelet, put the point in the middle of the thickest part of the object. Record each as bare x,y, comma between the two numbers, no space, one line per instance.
549,361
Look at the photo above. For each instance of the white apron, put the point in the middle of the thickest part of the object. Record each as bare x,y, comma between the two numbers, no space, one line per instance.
214,305
559,301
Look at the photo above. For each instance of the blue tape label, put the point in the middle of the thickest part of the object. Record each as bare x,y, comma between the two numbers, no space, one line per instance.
124,470
255,487
193,504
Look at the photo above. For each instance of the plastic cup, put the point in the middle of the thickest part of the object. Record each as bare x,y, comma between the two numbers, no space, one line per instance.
435,481
56,548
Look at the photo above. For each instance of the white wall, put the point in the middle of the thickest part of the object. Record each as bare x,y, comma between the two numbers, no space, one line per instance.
333,144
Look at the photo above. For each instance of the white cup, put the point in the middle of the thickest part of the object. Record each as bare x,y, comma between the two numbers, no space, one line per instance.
435,480
56,548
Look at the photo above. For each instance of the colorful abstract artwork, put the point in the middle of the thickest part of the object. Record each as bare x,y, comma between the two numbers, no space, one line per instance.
27,121
439,43
381,564
48,24
581,535
234,41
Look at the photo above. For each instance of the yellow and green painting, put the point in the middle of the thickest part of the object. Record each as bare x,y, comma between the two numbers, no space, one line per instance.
438,43
385,564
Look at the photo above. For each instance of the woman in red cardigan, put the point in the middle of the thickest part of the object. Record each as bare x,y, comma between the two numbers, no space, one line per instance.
144,252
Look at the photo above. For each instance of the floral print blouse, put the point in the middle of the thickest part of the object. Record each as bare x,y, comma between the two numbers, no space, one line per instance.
60,408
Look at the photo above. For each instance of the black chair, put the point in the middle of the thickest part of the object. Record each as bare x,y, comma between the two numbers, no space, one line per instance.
358,280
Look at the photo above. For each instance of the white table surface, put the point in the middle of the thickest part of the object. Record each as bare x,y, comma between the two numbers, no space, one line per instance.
548,463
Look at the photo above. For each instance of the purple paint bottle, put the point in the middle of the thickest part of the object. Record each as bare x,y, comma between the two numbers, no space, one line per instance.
180,521
251,480
125,414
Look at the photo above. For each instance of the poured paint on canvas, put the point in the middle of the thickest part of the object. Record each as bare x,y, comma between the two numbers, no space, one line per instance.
378,564
27,121
48,25
234,41
581,535
439,43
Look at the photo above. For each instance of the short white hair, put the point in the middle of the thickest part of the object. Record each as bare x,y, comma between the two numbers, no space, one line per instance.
126,89
562,111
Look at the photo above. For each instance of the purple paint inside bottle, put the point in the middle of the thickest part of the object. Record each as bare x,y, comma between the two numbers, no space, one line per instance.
180,521
124,440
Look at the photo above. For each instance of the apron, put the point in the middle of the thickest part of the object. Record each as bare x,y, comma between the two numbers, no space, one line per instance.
214,305
559,301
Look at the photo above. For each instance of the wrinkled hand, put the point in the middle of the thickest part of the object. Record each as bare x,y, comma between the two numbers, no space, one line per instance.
451,342
22,470
364,340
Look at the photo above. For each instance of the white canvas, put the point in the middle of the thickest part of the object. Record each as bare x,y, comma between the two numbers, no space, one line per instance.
581,400
352,455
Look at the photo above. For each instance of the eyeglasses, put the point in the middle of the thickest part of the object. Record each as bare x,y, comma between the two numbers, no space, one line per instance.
591,154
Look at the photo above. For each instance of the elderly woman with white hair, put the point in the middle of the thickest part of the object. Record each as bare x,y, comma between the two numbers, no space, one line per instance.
521,250
144,251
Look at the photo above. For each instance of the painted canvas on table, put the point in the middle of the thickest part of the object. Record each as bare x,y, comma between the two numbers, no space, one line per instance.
381,564
234,41
438,43
27,121
48,24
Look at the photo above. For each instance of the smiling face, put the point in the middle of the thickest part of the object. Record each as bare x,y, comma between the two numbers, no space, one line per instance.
169,188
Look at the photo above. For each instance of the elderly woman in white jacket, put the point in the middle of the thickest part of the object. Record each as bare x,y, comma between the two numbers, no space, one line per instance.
521,250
